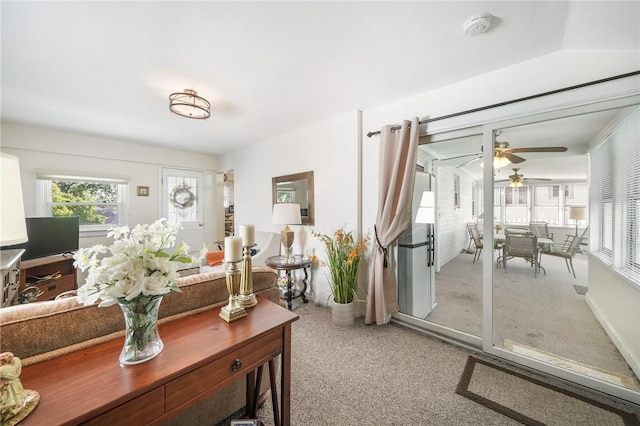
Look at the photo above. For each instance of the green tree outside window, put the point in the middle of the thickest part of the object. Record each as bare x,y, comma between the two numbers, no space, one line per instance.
93,203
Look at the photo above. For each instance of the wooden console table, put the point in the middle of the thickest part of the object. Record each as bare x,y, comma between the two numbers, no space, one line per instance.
202,354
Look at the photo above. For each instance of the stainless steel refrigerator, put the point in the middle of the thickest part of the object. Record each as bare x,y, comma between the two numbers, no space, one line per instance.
416,257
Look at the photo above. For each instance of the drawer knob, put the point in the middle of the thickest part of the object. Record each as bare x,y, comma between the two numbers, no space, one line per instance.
236,365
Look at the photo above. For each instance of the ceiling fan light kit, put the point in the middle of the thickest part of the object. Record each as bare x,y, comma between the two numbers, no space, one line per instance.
500,161
188,104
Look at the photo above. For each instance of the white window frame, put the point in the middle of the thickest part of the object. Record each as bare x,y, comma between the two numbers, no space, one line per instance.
44,202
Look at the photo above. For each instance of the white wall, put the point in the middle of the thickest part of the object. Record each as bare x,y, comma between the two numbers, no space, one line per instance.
525,79
330,150
615,301
41,148
452,235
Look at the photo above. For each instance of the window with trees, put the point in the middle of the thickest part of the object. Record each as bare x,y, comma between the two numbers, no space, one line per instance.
285,195
99,203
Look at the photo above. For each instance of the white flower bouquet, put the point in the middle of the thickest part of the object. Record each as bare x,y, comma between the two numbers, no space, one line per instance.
136,273
134,265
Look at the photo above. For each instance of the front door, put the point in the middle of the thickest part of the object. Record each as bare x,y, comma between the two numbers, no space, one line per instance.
183,202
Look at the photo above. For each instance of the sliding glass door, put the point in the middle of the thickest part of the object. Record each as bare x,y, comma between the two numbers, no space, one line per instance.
552,310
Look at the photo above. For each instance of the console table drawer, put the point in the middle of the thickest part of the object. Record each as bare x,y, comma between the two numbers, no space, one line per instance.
141,410
223,370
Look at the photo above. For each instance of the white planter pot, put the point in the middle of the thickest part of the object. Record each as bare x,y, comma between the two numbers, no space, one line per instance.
342,313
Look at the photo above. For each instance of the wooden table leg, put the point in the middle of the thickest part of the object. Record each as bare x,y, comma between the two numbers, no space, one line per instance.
285,377
250,392
274,392
253,392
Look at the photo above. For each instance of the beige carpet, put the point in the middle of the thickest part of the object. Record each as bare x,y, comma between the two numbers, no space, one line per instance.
380,375
534,402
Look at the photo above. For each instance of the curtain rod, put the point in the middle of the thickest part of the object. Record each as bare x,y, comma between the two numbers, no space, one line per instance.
526,98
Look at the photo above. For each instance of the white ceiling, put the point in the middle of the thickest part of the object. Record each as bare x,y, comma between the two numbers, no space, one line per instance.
576,133
107,68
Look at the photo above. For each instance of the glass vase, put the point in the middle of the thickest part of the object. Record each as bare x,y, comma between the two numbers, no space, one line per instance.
141,340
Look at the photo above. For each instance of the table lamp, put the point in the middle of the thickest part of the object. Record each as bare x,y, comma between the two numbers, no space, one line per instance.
19,402
13,228
286,214
577,213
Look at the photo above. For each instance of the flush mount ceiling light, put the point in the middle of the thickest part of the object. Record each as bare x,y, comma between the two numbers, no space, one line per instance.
477,24
189,104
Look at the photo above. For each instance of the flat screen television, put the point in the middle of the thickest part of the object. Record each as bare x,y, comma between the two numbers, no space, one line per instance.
49,236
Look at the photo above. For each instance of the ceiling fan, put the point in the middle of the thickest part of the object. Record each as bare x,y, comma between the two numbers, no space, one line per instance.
518,179
503,154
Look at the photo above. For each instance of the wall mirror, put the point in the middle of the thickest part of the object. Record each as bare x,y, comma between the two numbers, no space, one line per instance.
295,188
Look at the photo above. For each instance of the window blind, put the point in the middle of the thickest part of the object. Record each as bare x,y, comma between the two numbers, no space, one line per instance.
615,197
65,176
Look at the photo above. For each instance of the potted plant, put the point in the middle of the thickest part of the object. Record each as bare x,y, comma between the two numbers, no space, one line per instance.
344,252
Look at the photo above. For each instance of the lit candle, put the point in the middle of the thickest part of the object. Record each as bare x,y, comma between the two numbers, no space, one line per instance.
232,249
248,234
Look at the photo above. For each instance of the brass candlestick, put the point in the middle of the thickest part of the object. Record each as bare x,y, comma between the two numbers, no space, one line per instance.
233,310
246,298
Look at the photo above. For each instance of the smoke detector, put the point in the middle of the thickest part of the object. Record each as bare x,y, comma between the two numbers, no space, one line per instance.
477,24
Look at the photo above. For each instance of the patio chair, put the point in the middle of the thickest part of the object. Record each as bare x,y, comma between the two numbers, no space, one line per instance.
568,251
469,226
477,240
516,230
540,229
523,245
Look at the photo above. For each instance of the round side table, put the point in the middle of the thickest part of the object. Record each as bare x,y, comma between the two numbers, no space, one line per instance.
280,264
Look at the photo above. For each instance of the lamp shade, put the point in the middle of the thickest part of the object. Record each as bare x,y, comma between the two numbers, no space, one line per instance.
577,212
13,228
482,216
286,214
499,161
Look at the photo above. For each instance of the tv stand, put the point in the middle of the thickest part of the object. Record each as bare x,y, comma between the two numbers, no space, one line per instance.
51,275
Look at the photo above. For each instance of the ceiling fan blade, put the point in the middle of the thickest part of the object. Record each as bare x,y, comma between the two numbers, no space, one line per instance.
525,180
541,149
513,158
478,155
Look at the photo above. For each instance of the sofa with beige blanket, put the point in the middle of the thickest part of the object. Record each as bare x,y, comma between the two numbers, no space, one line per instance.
40,331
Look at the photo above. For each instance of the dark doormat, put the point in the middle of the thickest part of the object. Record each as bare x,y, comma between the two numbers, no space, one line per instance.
580,289
534,402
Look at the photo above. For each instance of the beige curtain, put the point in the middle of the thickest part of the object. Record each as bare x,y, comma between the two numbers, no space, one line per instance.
398,154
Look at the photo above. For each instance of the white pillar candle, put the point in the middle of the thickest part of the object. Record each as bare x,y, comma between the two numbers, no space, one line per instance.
248,234
232,249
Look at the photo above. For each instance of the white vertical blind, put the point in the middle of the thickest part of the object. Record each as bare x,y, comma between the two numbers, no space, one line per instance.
615,197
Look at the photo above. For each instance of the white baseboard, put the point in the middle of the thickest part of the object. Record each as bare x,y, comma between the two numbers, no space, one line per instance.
627,354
